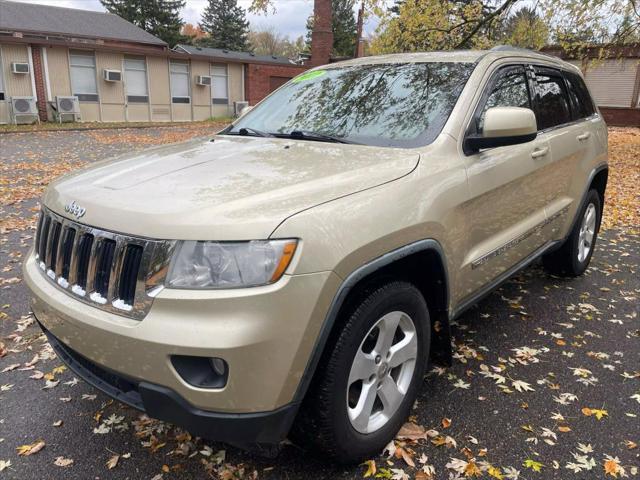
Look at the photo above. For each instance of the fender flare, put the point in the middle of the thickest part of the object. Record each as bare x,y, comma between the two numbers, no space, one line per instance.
347,286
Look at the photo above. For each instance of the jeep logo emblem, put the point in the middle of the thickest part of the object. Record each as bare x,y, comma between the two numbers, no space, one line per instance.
74,209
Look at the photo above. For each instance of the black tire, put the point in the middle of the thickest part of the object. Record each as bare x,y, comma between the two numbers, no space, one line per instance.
323,423
564,261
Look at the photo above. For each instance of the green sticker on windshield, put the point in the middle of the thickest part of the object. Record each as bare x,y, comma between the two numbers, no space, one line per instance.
309,76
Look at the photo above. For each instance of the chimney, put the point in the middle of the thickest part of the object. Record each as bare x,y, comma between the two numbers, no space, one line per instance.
322,35
359,40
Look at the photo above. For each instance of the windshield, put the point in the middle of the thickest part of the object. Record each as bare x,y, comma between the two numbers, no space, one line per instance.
391,105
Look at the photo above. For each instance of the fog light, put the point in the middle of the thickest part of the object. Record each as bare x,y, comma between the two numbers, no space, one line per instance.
218,366
202,372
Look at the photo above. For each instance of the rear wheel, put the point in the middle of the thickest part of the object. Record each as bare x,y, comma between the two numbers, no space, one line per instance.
369,378
573,258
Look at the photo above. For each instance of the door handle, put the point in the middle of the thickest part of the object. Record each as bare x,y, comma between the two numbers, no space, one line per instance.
584,136
539,152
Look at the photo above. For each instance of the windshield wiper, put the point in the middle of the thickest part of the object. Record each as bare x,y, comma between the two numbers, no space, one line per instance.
248,131
319,137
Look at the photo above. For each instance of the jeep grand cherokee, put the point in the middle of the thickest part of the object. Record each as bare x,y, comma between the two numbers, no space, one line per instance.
297,271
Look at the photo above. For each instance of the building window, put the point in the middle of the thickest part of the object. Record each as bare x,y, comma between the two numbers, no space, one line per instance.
83,75
135,80
219,84
179,82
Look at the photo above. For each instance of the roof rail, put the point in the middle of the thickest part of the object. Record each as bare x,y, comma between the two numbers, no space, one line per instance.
509,48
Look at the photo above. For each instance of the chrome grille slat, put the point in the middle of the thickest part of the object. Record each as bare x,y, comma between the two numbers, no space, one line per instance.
116,268
96,250
96,278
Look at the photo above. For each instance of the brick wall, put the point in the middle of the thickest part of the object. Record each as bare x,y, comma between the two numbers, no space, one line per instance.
261,80
621,117
38,72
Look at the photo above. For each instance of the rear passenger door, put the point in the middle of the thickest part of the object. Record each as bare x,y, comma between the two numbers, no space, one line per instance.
561,121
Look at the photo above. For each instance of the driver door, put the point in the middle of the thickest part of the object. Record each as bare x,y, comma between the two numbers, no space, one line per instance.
506,208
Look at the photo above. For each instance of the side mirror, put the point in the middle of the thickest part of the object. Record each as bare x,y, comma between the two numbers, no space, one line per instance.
245,110
504,126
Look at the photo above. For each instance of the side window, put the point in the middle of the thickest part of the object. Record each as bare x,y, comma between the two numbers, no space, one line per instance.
580,98
552,100
509,89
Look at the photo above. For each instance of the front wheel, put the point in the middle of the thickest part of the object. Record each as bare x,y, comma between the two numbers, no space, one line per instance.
573,257
370,376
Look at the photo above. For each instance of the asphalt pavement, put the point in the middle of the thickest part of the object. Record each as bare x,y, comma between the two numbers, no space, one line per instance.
545,380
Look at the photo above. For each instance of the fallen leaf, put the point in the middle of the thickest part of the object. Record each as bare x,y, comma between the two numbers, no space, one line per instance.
533,465
26,450
599,414
371,468
63,462
112,462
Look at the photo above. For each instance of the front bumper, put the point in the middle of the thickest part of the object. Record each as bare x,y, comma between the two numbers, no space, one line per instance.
163,403
265,334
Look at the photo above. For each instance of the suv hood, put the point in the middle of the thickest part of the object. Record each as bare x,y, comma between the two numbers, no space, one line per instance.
231,188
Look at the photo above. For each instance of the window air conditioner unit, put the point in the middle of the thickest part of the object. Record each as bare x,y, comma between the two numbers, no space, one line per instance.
112,75
20,68
203,80
24,107
68,107
238,107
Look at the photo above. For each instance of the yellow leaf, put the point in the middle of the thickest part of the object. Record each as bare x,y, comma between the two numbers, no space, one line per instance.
26,450
371,468
165,468
631,445
495,472
533,465
446,422
58,370
472,470
564,429
599,414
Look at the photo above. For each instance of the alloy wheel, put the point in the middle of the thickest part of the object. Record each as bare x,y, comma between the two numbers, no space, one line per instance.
587,232
381,372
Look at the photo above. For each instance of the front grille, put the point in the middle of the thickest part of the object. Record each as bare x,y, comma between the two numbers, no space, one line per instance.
108,270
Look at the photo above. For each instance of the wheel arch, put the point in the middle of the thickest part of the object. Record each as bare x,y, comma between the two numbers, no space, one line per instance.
599,183
423,264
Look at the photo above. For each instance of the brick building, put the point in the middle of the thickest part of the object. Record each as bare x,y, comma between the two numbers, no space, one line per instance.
106,69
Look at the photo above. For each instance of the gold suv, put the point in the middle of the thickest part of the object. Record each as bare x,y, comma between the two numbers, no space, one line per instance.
286,275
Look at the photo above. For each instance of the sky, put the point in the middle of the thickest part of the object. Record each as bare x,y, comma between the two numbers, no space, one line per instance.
290,17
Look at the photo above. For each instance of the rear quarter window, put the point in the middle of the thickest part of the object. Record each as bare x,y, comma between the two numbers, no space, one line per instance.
581,100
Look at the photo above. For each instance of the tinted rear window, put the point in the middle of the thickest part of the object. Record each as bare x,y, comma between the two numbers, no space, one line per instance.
581,100
552,100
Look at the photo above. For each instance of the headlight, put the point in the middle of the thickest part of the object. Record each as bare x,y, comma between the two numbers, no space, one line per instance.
229,264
